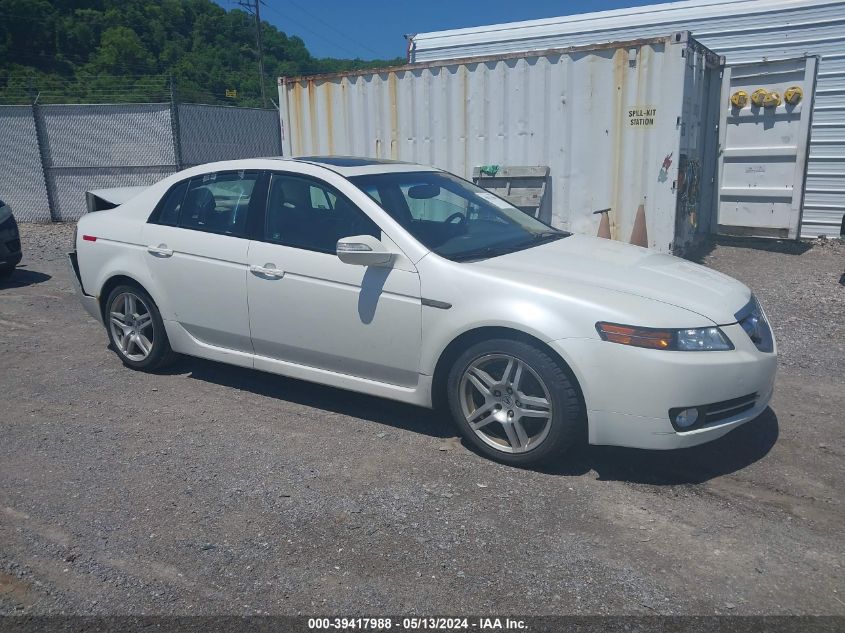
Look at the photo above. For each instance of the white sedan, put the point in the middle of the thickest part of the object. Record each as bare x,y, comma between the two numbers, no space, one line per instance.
407,282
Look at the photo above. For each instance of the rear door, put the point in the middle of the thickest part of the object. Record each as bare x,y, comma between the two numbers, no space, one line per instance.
197,251
764,147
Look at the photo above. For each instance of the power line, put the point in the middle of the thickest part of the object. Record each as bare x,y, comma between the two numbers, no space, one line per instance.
338,31
314,33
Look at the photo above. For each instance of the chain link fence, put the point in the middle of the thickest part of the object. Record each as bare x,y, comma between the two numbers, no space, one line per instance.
208,133
22,184
51,155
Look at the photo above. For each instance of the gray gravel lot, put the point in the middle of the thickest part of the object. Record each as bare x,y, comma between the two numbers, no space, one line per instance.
212,489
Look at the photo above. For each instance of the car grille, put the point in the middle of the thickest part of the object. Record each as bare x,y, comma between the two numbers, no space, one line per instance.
753,321
719,411
14,246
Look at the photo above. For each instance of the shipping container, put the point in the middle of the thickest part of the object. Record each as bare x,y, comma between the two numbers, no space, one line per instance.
744,32
628,130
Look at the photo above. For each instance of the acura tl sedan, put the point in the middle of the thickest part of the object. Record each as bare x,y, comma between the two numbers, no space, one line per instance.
407,282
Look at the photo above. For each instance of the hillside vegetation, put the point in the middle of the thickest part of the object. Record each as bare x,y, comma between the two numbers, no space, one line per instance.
100,51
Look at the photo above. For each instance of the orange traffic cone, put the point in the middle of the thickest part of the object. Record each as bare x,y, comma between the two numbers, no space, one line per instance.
604,224
639,234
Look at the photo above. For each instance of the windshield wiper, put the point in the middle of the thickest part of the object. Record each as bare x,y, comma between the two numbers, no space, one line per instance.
480,253
504,249
546,236
540,238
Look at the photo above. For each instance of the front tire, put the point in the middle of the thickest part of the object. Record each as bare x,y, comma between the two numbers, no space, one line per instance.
136,330
514,402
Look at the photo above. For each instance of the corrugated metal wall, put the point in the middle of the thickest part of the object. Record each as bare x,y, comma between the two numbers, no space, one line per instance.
741,30
567,110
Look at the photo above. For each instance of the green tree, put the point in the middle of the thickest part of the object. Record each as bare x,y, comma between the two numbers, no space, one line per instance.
126,50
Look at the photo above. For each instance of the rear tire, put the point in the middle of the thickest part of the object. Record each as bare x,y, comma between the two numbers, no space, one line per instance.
513,402
136,330
6,272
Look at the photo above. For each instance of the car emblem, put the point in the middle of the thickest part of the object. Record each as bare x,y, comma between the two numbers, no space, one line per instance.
506,400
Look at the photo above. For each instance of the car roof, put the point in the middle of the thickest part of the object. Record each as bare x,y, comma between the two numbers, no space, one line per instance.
358,166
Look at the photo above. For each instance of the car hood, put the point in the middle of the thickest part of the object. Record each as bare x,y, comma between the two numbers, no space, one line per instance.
580,260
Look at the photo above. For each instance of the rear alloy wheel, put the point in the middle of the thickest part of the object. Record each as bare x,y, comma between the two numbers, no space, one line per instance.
136,330
513,402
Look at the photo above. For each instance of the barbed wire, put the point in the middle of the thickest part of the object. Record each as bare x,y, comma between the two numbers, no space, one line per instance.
91,91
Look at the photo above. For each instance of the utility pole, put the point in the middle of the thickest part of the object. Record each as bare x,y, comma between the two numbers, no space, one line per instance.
254,7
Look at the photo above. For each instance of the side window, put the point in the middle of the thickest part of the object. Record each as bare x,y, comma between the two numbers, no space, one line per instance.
168,212
306,214
219,203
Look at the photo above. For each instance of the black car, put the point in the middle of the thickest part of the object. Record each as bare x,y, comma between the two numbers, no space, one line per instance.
10,241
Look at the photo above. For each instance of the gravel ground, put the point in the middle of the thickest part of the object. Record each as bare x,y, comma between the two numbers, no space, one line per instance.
211,489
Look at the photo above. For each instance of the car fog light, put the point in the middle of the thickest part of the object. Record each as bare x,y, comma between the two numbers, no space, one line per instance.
686,418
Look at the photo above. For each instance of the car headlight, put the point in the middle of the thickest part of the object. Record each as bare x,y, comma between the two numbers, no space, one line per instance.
752,319
705,339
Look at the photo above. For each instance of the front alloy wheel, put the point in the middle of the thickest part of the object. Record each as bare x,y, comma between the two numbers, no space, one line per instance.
506,403
514,402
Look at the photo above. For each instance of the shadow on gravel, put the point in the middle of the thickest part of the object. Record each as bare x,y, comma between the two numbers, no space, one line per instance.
22,277
733,452
788,247
730,453
388,412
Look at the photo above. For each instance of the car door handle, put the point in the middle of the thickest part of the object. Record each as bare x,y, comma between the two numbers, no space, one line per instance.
267,271
160,251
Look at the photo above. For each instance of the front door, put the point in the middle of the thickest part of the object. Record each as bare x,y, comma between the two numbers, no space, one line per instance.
764,142
309,308
196,250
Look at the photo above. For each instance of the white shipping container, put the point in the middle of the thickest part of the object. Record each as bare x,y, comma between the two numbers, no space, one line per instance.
629,126
743,31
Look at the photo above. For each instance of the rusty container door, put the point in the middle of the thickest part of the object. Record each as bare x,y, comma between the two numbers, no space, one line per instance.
765,138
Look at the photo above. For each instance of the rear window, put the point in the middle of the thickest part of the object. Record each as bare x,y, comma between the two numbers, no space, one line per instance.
218,203
172,204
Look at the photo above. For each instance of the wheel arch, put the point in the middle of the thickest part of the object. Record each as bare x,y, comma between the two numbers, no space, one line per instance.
113,282
466,339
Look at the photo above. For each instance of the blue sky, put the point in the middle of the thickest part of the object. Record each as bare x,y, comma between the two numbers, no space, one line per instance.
373,28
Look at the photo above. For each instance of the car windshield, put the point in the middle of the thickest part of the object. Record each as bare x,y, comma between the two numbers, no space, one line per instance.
453,217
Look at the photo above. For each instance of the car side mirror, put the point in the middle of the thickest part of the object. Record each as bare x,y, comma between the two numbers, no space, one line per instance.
363,250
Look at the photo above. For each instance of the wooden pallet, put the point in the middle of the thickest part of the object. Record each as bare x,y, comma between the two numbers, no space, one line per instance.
523,187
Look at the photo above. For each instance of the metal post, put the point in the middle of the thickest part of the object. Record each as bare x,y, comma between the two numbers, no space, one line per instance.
174,126
254,7
43,152
260,51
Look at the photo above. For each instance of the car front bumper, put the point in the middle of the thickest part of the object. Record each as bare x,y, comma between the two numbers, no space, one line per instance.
10,261
629,391
10,243
91,304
